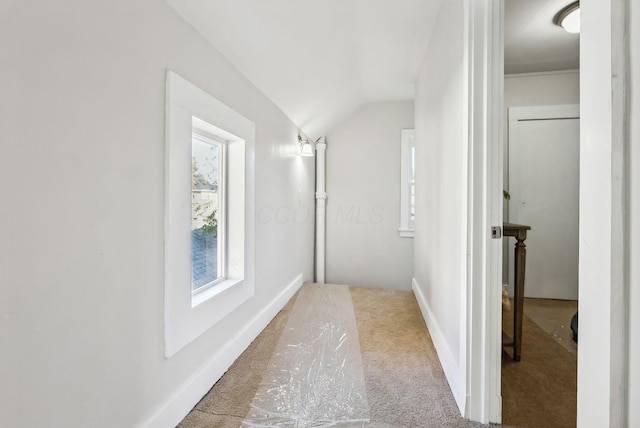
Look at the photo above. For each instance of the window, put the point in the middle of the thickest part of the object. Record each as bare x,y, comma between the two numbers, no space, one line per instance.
208,229
407,182
209,235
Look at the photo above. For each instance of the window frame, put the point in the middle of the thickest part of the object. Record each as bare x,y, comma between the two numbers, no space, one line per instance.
212,139
188,315
407,179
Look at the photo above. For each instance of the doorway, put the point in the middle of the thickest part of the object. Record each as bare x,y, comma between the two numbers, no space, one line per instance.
543,184
604,207
541,176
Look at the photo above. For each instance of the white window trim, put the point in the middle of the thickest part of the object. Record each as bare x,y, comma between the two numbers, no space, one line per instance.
186,316
407,138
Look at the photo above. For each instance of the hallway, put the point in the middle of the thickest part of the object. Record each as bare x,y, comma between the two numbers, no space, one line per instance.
99,323
405,384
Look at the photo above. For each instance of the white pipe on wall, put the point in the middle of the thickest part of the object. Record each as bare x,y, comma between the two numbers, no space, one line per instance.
321,208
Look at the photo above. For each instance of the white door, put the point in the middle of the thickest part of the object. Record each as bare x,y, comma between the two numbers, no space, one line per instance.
544,150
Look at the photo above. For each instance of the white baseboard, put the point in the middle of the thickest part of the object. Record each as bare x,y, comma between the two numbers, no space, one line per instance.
188,395
451,368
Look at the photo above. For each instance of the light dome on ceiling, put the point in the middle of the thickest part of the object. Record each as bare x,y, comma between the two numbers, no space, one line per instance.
569,18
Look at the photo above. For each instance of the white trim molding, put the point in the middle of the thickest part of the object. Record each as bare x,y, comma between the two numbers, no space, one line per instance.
193,389
484,23
406,233
447,360
542,73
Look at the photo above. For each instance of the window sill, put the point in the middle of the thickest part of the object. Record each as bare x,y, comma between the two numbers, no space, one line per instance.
405,233
213,291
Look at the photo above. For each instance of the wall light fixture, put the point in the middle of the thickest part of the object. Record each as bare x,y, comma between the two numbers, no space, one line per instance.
305,148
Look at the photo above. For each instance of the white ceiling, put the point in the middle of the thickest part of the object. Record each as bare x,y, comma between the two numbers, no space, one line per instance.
320,60
533,43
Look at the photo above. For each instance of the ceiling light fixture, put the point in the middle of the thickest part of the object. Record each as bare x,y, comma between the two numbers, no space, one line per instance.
569,18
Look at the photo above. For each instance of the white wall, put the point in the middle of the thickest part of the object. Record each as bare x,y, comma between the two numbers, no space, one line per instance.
541,89
441,210
363,205
526,90
82,125
634,216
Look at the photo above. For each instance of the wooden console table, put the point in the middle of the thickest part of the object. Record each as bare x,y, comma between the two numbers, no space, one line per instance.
518,231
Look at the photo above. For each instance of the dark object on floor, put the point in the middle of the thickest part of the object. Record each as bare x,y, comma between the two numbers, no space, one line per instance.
574,327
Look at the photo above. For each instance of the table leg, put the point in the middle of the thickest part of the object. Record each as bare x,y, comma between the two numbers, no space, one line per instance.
520,263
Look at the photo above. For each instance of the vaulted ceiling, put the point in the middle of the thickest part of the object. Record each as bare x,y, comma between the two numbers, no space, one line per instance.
320,60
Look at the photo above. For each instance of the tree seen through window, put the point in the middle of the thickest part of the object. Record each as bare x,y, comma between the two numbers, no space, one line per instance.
205,209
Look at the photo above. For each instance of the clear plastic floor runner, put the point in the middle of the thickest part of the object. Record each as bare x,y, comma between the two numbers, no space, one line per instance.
315,377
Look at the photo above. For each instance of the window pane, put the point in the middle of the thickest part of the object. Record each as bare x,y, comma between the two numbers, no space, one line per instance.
412,186
206,253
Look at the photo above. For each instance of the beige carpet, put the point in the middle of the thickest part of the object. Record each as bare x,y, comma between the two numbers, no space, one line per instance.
405,383
540,390
406,386
554,317
227,403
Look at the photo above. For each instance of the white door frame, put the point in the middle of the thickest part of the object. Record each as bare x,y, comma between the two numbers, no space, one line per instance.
485,73
604,249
